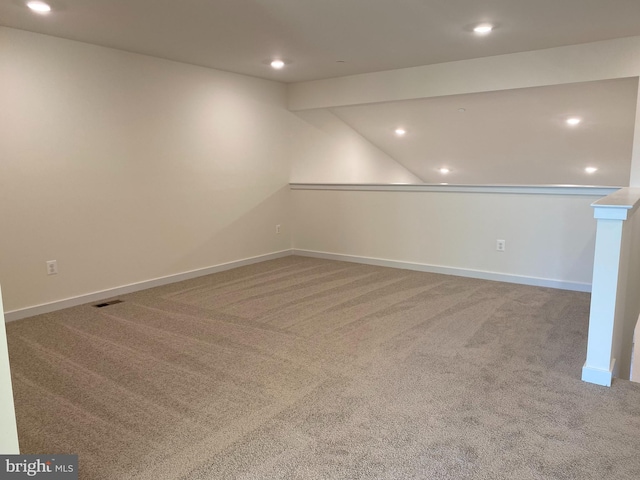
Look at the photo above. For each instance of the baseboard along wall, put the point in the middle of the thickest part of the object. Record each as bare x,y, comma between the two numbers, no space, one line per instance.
460,272
135,287
156,282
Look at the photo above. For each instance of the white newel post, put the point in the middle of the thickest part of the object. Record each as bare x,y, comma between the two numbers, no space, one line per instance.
8,428
611,212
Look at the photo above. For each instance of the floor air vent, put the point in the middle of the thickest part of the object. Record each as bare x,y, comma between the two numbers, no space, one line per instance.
106,304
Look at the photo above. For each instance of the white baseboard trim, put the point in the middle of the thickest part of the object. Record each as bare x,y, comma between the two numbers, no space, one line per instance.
461,272
599,376
178,277
135,287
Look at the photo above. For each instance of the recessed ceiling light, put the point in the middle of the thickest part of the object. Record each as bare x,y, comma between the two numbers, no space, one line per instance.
39,7
462,110
444,170
277,64
483,29
400,131
591,169
574,120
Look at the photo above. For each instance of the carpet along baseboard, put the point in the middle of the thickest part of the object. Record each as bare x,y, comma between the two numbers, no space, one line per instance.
461,272
135,287
156,282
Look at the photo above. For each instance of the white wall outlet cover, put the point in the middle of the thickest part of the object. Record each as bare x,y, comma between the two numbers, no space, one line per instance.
52,267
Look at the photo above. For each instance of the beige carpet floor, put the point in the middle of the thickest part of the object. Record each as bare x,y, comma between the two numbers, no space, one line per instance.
301,368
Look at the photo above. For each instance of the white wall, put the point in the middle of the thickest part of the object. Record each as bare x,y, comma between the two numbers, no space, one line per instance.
548,237
324,149
619,58
635,355
628,299
635,155
517,136
125,168
610,59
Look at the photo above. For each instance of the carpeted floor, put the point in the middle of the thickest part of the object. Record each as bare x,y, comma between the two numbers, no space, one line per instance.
302,368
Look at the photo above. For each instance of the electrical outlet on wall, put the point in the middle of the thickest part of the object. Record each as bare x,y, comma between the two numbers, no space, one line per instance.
52,267
278,229
501,245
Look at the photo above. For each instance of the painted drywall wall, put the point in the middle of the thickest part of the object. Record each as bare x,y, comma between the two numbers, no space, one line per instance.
517,136
324,149
634,181
547,236
8,428
628,300
605,60
125,168
619,58
635,354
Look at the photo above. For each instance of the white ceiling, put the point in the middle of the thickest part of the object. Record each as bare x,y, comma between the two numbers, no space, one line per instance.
515,136
368,35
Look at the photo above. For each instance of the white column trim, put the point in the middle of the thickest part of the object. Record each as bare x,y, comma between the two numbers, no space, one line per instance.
611,212
8,427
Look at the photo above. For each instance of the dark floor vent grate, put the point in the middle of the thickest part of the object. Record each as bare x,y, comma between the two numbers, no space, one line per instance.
106,304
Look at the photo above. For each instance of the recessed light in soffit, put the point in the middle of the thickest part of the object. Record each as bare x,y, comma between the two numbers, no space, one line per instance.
483,29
